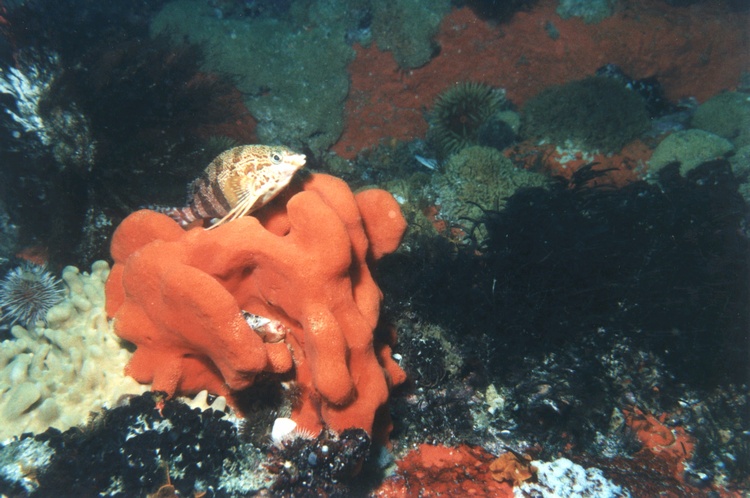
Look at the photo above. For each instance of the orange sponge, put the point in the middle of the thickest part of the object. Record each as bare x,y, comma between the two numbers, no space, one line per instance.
179,296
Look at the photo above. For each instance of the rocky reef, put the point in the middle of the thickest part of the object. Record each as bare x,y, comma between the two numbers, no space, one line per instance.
516,263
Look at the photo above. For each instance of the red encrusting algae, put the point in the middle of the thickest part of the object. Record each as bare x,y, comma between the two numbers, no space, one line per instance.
694,51
241,127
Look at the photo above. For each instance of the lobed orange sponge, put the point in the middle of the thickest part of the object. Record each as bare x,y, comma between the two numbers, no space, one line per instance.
179,295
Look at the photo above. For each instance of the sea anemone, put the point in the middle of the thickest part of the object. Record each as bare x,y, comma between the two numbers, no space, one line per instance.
27,293
460,112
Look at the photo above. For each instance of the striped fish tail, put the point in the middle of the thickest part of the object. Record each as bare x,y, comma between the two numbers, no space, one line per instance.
184,216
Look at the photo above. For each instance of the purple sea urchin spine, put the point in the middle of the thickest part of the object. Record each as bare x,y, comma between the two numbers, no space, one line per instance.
27,293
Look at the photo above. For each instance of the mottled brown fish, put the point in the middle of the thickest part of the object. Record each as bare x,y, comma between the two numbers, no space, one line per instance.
238,182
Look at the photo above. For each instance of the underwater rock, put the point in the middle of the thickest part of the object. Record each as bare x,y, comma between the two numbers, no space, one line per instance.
292,71
99,127
591,11
407,28
689,148
134,449
726,115
565,479
326,465
43,125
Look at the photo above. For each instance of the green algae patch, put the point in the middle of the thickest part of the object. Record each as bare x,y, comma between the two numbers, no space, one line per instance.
726,115
292,74
689,148
407,28
595,113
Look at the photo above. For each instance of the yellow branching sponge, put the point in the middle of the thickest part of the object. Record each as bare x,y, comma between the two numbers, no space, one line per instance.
56,375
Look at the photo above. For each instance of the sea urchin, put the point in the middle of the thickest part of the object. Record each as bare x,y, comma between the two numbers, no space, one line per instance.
459,113
27,293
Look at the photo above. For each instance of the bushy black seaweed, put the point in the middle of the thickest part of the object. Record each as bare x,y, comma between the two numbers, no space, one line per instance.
720,447
147,101
581,301
144,105
667,265
73,27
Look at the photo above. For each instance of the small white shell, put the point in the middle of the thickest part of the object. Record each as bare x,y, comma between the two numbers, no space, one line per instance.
282,430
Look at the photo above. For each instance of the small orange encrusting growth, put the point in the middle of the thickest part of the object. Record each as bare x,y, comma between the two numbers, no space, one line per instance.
674,446
512,469
444,471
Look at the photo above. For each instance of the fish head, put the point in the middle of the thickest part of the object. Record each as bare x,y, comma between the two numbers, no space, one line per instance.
280,161
269,172
286,158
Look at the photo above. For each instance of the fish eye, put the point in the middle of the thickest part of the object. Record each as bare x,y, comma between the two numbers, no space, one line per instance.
275,157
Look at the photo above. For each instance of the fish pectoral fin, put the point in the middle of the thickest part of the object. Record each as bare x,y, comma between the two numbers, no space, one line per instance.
243,207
